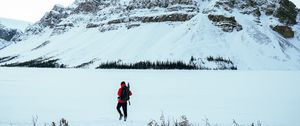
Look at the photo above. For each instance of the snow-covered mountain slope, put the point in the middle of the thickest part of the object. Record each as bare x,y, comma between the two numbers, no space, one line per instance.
10,30
130,31
3,43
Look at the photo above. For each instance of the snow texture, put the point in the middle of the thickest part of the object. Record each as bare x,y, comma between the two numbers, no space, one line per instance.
89,97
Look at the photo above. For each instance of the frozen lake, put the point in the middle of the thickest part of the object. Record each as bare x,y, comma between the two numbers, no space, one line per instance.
89,97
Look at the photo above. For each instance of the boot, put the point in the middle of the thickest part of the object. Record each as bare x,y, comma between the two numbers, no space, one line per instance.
121,116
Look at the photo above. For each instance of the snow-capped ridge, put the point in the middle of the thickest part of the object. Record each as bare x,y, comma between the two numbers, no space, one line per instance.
8,35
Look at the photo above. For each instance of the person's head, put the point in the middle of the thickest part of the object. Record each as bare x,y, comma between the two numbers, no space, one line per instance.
123,83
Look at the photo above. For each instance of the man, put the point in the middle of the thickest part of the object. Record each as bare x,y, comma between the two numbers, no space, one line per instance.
123,97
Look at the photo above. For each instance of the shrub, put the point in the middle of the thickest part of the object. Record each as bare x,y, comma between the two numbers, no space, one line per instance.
62,122
34,120
183,121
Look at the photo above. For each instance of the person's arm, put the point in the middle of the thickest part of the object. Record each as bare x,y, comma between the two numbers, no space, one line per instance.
130,93
119,92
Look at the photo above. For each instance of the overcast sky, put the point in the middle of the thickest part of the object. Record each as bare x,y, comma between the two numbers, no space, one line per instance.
33,10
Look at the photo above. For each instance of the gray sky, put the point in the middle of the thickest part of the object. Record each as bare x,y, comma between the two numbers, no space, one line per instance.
33,10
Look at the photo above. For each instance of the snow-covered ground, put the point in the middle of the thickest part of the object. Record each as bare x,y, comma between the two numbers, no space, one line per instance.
88,97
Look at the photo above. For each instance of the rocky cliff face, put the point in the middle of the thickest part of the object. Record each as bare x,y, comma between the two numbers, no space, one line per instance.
228,24
7,35
109,13
106,11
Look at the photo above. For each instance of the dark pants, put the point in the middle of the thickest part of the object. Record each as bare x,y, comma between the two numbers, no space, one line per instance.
124,107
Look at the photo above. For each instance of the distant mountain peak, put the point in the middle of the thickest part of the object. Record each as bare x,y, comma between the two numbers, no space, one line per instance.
11,30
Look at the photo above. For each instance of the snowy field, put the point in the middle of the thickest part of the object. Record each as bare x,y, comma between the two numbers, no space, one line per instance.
88,97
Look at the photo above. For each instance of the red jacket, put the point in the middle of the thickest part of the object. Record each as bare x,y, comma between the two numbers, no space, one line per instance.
120,91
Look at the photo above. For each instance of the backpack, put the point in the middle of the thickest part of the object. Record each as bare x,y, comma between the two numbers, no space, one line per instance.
125,94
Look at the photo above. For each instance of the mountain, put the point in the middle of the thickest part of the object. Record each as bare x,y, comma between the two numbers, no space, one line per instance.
213,34
10,30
